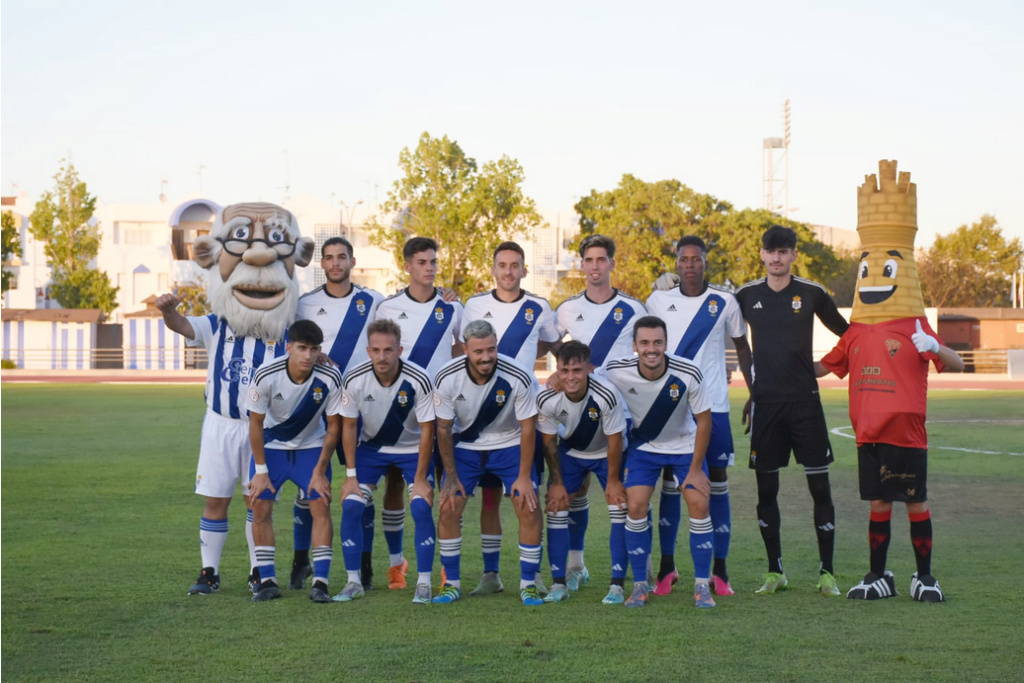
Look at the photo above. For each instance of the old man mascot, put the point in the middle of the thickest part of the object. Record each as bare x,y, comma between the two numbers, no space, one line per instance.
250,257
886,352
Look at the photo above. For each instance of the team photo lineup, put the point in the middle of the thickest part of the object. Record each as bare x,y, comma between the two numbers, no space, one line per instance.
436,400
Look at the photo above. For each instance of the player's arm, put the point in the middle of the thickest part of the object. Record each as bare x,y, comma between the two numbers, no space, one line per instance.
421,486
557,499
819,369
615,492
175,321
523,485
349,440
746,362
260,481
446,444
831,317
696,477
543,347
318,482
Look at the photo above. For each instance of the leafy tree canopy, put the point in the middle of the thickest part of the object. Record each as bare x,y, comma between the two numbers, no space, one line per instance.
11,244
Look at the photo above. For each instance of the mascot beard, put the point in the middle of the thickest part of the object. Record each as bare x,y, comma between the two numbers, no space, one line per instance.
250,281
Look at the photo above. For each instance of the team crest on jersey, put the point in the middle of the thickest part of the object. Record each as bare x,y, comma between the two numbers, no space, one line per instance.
713,307
673,391
892,346
318,394
593,414
403,398
529,315
796,304
361,306
500,397
617,315
439,314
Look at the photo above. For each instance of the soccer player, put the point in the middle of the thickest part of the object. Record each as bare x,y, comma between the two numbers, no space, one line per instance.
590,414
888,406
485,407
288,399
698,317
429,321
784,410
671,412
526,330
601,317
342,309
394,399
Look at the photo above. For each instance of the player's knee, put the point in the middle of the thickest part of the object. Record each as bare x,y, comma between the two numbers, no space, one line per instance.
915,508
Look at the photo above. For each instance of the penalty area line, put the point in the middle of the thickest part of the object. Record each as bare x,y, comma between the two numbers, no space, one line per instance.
847,433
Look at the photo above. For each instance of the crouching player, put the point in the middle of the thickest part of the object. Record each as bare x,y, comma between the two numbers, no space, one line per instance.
593,425
394,398
288,398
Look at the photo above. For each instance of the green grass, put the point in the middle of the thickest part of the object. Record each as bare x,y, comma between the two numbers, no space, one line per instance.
100,544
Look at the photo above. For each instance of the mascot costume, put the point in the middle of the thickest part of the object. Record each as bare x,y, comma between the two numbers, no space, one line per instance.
250,257
886,352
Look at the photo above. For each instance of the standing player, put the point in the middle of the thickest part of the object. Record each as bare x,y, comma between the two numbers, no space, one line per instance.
526,330
601,317
430,329
698,317
593,424
485,407
785,410
671,428
394,399
342,309
288,399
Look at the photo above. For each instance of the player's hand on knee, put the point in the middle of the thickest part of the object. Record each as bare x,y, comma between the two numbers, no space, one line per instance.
556,498
699,482
423,489
257,485
522,490
451,488
349,487
318,483
615,494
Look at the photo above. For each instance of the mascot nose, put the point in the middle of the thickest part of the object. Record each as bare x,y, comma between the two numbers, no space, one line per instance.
259,254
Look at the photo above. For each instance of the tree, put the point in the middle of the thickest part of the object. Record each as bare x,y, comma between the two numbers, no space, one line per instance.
971,266
645,219
62,220
11,245
468,209
193,298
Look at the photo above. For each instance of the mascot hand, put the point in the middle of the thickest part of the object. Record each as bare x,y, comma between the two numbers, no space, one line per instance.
666,282
924,342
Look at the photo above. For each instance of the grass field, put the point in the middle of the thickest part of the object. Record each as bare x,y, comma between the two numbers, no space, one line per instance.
99,529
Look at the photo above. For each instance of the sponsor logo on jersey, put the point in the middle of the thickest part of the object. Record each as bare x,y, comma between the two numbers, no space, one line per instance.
529,315
318,394
713,308
403,398
487,315
278,397
439,314
617,314
797,304
758,305
631,391
892,345
230,339
672,307
500,397
673,391
563,413
370,398
593,414
322,312
403,316
579,318
460,397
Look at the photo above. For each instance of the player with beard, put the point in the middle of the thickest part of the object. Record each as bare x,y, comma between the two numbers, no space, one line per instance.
250,256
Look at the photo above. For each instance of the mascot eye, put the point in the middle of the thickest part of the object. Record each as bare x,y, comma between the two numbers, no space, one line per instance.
891,267
863,269
241,232
276,236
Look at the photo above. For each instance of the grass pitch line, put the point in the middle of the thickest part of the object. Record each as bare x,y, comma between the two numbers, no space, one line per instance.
847,433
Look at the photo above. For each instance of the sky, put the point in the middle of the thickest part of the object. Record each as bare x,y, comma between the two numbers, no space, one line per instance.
241,100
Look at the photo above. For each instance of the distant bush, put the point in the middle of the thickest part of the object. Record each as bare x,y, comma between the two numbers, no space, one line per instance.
6,364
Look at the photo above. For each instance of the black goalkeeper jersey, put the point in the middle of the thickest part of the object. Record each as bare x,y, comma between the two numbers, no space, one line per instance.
782,336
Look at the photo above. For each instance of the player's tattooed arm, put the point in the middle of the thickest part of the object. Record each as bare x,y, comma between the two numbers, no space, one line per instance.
446,444
556,499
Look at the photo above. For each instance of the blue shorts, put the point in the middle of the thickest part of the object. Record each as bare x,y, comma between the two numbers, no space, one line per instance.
372,465
720,449
644,468
574,470
296,466
503,463
489,481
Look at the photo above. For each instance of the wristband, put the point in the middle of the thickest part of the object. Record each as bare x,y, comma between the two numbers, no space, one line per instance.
262,469
350,471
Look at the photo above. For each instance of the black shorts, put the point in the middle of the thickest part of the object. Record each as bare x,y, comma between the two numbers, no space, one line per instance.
778,428
894,474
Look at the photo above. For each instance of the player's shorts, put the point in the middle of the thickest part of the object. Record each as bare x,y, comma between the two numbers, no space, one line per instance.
290,465
372,465
224,456
574,470
778,428
720,449
489,481
895,474
645,468
503,463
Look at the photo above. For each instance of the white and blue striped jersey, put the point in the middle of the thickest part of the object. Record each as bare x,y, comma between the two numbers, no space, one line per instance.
343,321
293,410
662,409
697,326
583,426
232,361
391,415
519,324
606,328
486,415
428,329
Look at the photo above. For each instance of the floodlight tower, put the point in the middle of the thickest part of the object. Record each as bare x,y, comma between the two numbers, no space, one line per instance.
775,169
